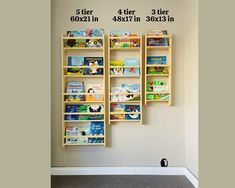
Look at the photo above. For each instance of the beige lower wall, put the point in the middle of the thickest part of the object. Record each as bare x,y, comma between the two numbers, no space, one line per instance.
163,132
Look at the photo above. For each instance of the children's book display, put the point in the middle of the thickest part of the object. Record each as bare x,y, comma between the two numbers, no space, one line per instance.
127,112
83,42
158,65
125,71
123,39
92,64
77,108
156,86
94,129
125,92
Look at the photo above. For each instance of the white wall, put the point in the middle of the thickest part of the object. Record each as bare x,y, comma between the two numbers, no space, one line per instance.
191,87
163,132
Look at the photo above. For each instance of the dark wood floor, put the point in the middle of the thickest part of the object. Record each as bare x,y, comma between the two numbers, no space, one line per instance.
121,181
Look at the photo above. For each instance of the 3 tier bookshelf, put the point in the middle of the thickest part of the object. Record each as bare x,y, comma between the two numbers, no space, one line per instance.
165,50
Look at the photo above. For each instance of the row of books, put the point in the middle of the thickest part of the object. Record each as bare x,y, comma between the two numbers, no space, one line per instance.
116,107
156,86
125,92
157,70
95,91
84,117
83,108
84,140
165,97
93,129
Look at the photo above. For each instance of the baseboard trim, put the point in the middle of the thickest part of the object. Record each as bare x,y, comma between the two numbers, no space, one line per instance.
125,171
191,178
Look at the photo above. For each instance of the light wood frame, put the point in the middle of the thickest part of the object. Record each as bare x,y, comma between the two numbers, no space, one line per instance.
169,65
63,102
140,76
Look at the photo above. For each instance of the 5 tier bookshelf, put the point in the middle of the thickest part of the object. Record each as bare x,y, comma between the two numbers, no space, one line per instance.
82,51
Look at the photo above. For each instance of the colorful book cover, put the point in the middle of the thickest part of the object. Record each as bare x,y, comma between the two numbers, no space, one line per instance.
157,42
124,43
119,33
160,86
158,60
157,70
93,61
132,108
95,108
134,43
96,128
118,97
71,131
131,88
93,71
131,71
131,61
95,140
95,92
81,33
71,117
73,108
117,116
95,32
75,87
116,62
96,117
90,43
116,107
75,60
75,71
117,71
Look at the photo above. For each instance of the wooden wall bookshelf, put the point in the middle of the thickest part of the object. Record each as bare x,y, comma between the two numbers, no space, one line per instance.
117,53
66,51
158,94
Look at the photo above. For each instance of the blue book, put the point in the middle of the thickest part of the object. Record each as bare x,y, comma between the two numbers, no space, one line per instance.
132,108
75,60
156,60
96,128
131,61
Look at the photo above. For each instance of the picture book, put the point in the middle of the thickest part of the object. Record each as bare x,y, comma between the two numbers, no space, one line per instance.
96,117
94,43
119,33
156,60
118,97
76,140
93,71
95,92
158,97
95,32
124,43
131,71
156,86
96,128
76,43
81,33
75,60
75,71
156,32
94,108
71,117
131,88
73,108
116,62
95,140
131,61
157,70
93,61
132,108
117,71
71,131
117,116
157,42
114,43
75,87
116,107
134,43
